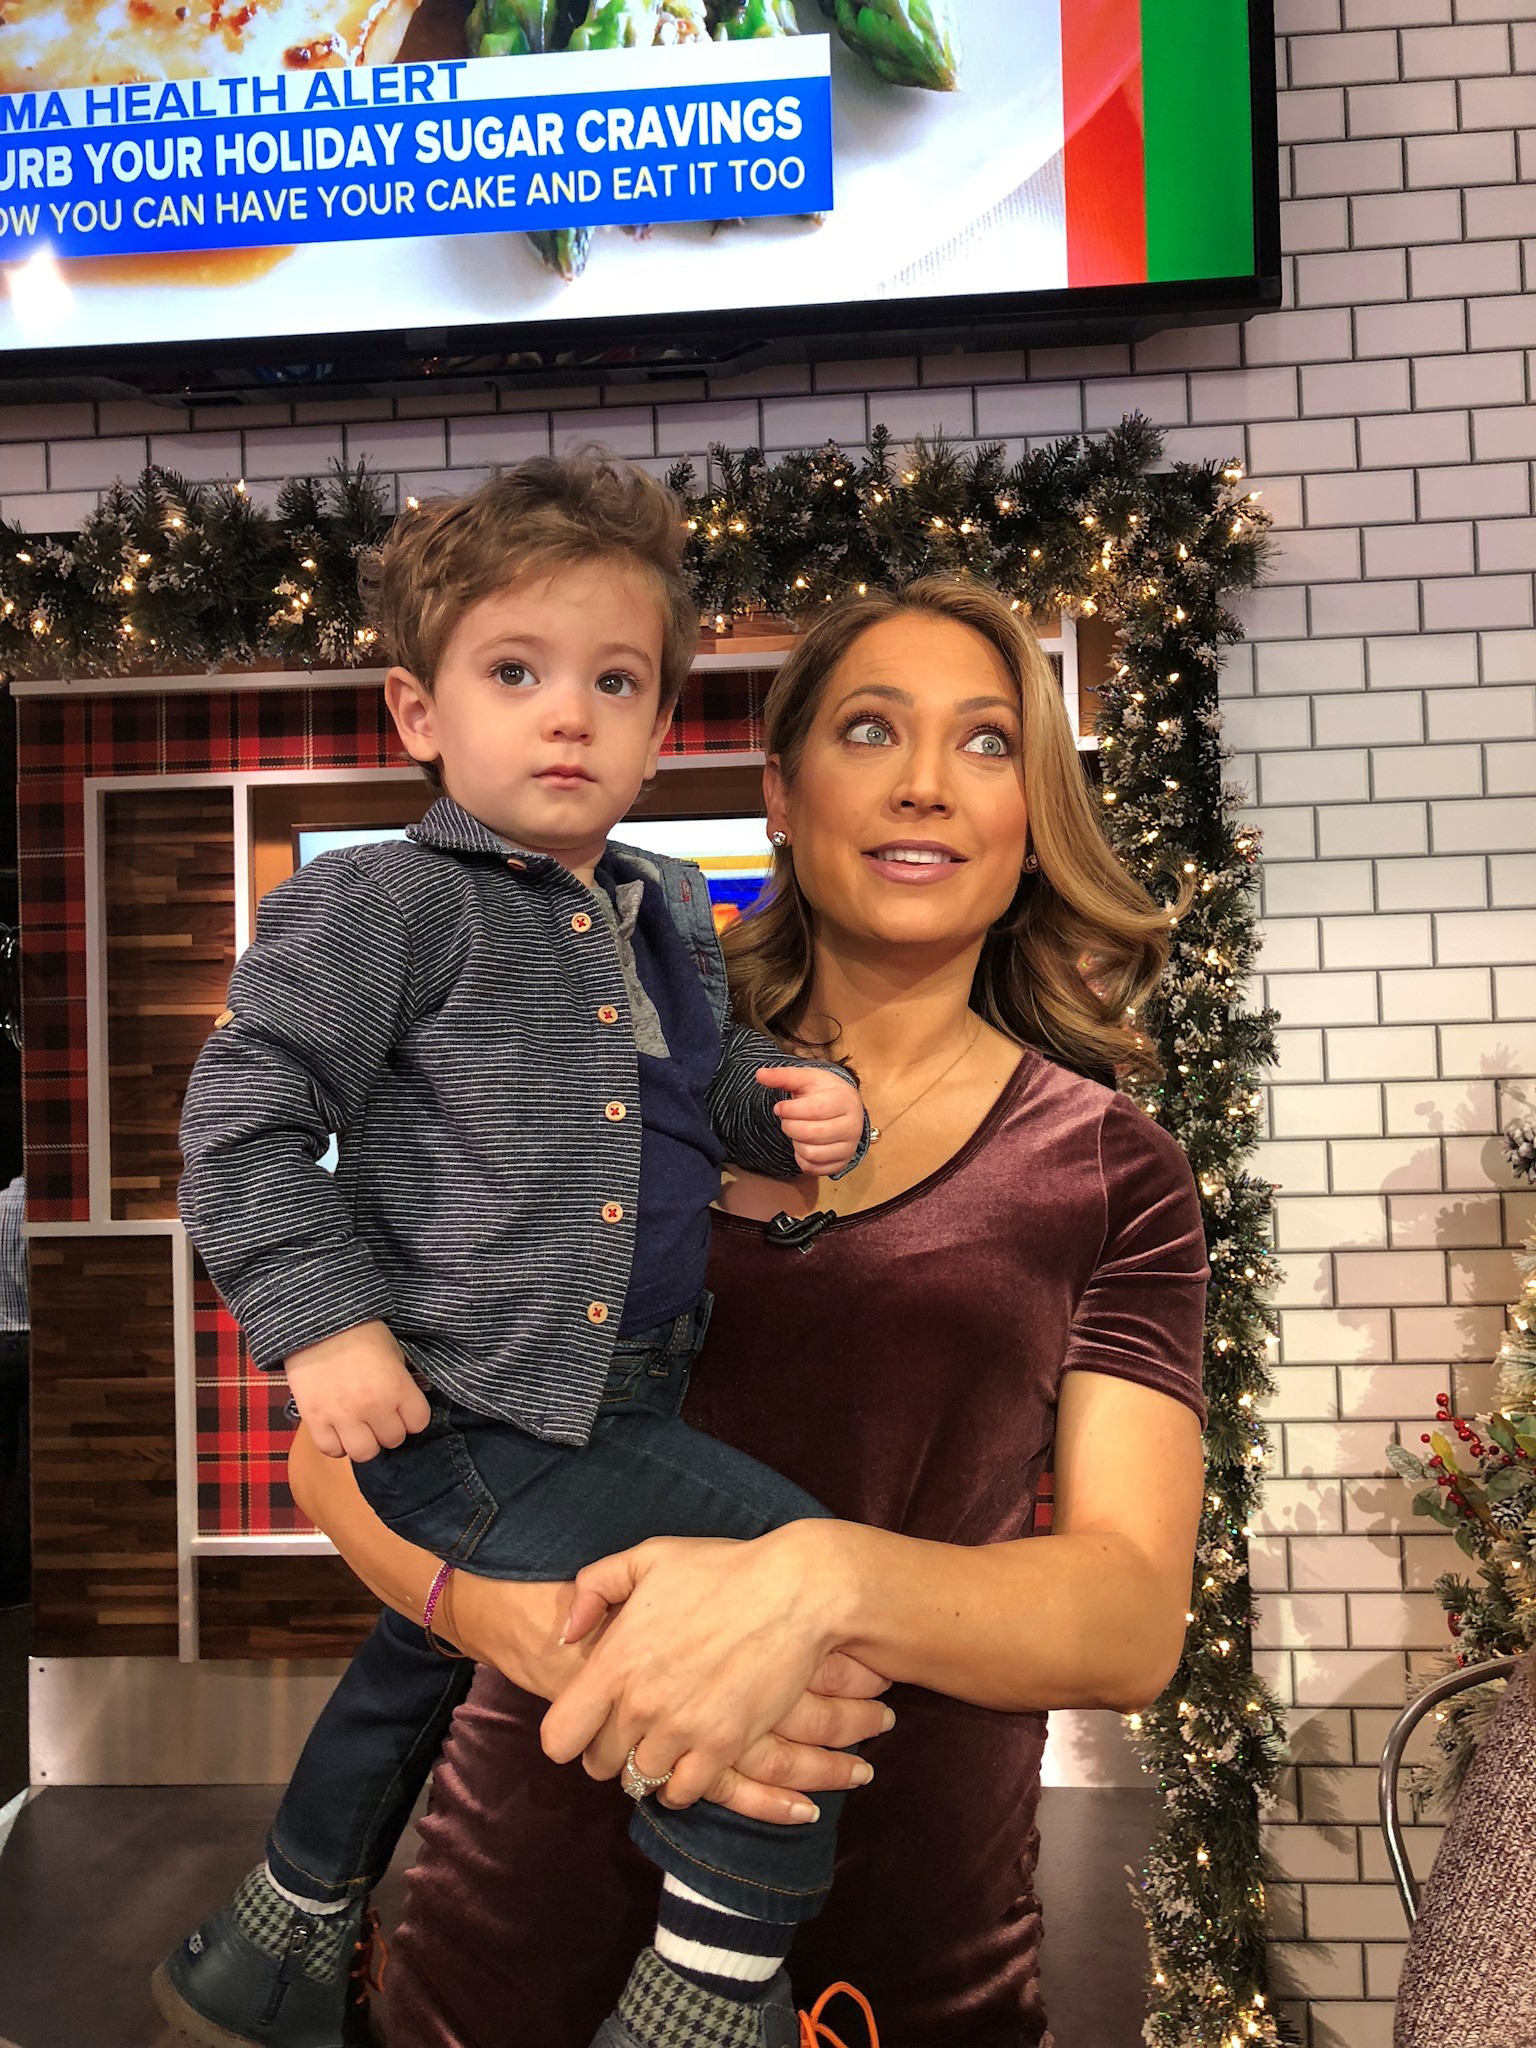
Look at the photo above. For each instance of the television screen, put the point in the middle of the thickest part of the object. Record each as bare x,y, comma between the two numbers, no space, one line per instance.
733,852
312,839
208,176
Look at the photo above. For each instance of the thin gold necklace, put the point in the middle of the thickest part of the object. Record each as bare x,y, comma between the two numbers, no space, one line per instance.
877,1131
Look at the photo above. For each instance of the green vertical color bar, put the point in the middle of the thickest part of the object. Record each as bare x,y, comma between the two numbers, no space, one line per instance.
1199,138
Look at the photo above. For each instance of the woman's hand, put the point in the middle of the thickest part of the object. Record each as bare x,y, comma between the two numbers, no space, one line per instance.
518,1629
713,1645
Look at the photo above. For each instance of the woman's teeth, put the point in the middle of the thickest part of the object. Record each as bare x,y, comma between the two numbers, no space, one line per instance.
915,859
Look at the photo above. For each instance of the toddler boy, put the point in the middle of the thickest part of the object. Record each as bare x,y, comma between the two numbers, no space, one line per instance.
521,1035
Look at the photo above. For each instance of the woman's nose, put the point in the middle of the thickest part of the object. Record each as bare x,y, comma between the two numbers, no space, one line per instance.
923,785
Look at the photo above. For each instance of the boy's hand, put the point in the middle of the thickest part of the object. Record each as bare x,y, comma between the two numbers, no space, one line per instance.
356,1394
823,1119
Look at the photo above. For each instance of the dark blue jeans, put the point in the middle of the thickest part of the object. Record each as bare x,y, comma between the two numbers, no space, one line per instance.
506,1505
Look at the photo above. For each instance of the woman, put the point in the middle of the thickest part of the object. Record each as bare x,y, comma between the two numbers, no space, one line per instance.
1014,1276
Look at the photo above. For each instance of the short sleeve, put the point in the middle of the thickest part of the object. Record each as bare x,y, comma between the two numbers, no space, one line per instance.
1142,1314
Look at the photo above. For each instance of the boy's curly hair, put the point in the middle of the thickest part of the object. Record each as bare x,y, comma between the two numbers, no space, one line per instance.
549,513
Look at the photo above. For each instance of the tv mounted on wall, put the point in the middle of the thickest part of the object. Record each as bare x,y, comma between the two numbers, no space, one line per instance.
204,196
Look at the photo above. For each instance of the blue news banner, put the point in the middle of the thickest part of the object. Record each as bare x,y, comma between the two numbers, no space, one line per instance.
586,139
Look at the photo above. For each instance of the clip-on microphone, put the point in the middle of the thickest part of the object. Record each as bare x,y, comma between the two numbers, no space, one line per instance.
798,1233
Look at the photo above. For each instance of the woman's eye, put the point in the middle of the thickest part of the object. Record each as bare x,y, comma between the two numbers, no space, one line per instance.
868,732
994,746
513,673
617,684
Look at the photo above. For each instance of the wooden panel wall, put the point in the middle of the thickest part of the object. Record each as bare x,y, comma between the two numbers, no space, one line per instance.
170,918
281,1607
103,1447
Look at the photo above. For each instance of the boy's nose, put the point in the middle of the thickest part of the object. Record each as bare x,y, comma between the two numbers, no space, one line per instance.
567,715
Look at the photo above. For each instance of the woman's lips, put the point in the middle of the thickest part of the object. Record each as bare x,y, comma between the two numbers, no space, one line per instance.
915,865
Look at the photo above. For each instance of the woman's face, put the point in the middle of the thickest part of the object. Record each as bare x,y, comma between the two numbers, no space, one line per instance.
907,815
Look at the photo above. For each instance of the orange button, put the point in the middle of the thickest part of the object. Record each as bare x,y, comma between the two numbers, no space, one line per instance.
607,1014
224,1017
615,1112
520,865
597,1312
581,922
613,1212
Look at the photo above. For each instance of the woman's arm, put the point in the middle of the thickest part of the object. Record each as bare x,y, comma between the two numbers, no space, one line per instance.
517,1628
401,1575
1091,1615
712,1636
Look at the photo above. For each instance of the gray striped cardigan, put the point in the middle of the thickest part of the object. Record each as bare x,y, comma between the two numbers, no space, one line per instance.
455,1010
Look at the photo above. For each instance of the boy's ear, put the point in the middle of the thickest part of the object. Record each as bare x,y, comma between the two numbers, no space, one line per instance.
411,707
659,733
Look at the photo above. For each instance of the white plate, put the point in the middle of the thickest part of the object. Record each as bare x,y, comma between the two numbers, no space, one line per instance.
913,171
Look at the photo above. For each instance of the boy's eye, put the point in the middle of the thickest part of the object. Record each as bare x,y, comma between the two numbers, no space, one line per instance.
868,732
992,744
513,673
617,683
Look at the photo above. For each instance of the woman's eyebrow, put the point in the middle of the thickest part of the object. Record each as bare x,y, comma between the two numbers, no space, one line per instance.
989,704
905,697
887,690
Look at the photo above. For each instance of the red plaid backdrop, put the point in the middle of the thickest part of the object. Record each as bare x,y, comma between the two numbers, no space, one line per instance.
244,1425
242,1428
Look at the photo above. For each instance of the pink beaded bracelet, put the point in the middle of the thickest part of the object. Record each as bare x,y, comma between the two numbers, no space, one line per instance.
438,1587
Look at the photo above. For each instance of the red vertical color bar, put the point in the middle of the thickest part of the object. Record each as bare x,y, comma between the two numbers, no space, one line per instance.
1104,158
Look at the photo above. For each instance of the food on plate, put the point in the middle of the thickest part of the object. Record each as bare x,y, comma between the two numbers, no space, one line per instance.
47,44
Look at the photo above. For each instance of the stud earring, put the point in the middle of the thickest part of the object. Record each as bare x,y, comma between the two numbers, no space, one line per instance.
1031,864
779,839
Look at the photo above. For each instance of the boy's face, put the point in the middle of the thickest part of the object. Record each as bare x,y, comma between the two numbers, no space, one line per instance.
545,720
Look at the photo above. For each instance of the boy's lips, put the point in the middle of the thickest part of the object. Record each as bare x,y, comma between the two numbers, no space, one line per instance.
564,777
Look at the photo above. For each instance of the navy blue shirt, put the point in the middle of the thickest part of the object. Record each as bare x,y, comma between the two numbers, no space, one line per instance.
680,1156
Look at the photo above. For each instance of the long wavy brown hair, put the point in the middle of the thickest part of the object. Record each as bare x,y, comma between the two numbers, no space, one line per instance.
1081,946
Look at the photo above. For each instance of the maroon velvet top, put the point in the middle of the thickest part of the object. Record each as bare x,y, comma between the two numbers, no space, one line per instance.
904,1369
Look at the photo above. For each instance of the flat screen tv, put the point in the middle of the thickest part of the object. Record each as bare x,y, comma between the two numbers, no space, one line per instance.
733,852
289,189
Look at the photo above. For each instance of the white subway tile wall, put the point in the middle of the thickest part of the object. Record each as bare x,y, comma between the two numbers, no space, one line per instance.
1383,714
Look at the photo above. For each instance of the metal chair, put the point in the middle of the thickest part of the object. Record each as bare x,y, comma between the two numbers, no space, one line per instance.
1392,1757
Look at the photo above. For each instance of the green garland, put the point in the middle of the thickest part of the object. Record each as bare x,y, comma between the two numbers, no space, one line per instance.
168,574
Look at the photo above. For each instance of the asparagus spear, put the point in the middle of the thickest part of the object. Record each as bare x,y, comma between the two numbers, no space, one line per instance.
743,21
909,42
618,25
517,28
527,28
563,249
609,25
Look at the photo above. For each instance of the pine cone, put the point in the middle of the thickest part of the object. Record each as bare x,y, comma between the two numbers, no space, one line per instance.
1520,1144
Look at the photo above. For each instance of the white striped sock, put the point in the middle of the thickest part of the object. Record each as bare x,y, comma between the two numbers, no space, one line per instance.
697,1936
